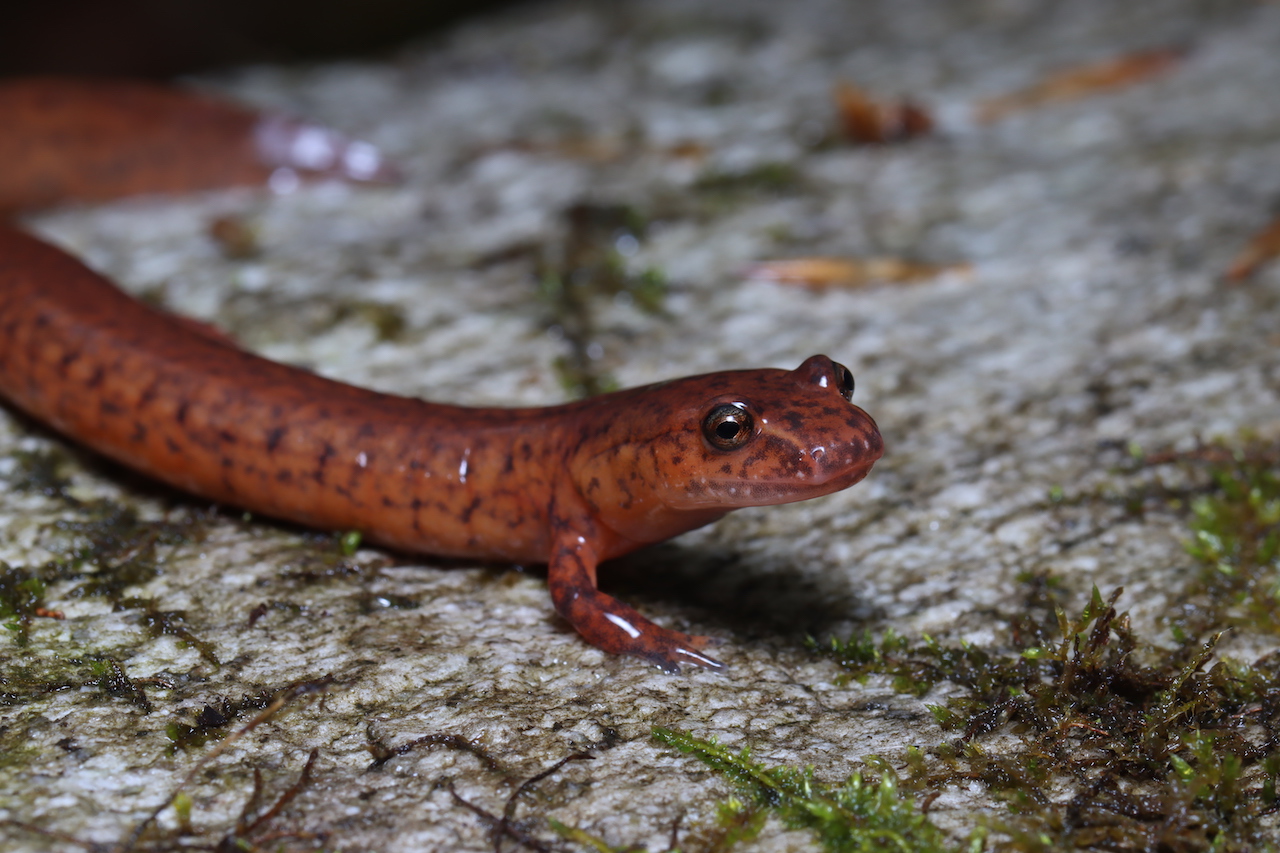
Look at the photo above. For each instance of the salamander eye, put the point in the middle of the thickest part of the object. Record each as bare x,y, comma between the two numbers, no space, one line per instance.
844,380
728,426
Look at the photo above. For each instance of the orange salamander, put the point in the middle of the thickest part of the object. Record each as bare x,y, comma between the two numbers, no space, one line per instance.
570,485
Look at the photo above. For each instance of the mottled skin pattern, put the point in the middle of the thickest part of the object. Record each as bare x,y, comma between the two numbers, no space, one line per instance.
570,485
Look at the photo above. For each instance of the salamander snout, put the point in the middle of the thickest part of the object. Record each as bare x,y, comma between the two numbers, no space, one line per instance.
822,372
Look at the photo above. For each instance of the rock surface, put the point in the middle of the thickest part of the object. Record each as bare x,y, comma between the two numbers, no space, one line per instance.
692,139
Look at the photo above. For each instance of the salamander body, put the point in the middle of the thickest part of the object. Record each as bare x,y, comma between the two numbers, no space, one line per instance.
569,485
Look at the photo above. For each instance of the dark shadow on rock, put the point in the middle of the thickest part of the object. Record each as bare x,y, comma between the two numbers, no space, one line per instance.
720,589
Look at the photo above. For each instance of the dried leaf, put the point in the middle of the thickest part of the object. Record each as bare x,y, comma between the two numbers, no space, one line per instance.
1264,246
598,149
872,122
236,239
1082,81
822,273
687,150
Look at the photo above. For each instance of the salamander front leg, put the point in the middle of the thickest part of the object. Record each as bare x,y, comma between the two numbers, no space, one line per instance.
607,623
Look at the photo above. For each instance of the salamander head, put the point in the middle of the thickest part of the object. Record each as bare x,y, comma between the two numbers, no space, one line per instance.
705,445
775,437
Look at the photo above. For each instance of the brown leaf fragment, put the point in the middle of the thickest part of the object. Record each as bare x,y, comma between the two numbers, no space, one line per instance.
687,150
235,238
1081,81
870,122
1264,246
823,273
590,149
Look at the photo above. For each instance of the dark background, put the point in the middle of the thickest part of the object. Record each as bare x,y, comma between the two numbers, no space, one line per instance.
161,38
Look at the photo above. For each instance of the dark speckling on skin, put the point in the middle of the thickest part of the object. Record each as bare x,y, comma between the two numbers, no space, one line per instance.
571,485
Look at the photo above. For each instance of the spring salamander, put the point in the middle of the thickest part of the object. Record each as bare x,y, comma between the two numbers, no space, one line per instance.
570,485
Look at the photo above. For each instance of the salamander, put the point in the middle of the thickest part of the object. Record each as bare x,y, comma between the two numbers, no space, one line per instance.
568,485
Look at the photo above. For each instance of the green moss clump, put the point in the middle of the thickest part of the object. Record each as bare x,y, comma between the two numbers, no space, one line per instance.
113,680
866,813
213,720
1122,744
861,814
41,471
1145,737
21,599
764,179
1235,530
914,667
103,551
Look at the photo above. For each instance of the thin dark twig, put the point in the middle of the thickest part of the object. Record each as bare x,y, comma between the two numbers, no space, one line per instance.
304,779
382,754
283,698
251,804
500,827
505,827
675,830
509,811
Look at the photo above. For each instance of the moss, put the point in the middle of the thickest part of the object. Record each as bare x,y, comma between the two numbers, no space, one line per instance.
110,550
21,600
113,680
103,551
387,321
349,542
213,720
29,678
914,668
34,678
864,813
1154,748
763,179
41,471
1145,748
648,288
16,749
1235,537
